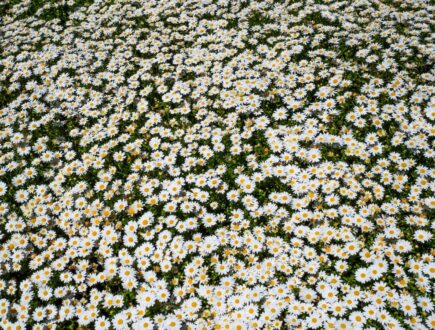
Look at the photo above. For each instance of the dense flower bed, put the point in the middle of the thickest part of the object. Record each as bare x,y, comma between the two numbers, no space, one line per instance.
217,164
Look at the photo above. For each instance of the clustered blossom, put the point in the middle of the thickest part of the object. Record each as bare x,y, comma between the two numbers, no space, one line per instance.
217,164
